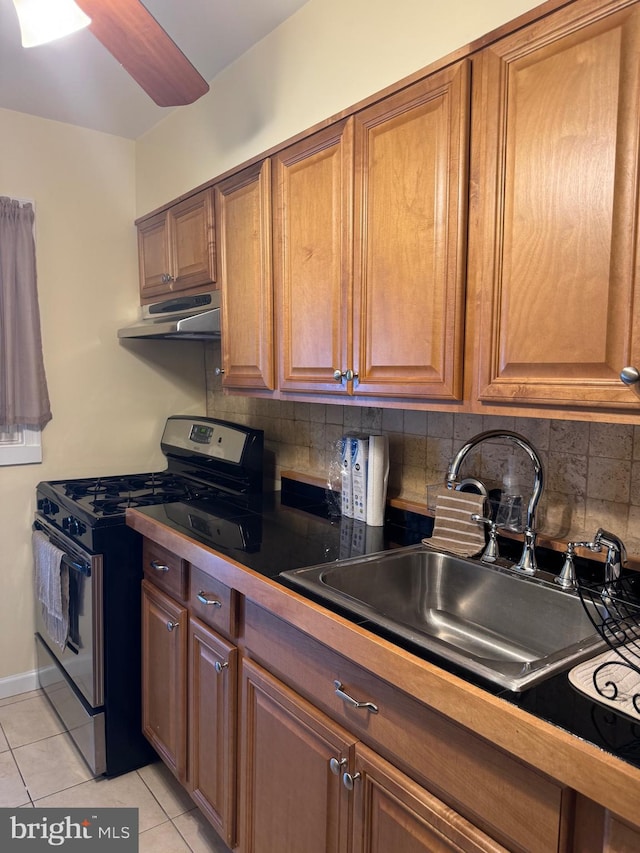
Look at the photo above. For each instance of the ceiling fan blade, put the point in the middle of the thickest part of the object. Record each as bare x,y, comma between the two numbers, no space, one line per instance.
133,36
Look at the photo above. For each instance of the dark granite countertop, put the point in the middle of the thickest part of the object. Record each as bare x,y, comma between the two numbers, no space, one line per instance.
299,526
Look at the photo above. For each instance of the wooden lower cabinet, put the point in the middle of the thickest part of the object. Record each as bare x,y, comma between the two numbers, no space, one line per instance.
189,705
392,812
212,727
164,677
290,800
308,785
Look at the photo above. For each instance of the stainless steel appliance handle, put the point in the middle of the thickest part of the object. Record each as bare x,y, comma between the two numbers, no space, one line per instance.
77,565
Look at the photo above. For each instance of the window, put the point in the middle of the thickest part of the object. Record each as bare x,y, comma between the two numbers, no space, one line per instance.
20,445
24,399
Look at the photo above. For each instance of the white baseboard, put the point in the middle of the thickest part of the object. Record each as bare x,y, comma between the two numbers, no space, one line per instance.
13,685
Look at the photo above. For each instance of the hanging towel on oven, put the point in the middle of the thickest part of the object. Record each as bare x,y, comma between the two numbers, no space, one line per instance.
52,587
453,529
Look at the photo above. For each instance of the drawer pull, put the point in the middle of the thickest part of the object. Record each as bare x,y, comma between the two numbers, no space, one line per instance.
171,626
204,598
336,765
367,706
220,666
159,567
349,780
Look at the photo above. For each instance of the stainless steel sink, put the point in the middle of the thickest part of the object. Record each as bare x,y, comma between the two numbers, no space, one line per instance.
509,628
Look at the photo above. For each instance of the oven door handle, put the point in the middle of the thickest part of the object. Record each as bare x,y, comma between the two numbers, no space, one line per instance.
74,565
77,567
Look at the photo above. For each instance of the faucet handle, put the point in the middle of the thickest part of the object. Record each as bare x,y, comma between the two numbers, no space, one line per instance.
567,578
490,553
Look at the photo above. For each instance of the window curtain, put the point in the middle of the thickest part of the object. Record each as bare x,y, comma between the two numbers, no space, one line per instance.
24,399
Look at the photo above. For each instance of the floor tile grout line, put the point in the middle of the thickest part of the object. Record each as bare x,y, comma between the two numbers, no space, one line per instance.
32,801
153,795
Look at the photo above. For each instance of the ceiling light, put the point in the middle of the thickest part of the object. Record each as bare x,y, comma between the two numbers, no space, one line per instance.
45,20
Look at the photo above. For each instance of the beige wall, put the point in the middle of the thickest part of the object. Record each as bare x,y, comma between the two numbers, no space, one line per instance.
109,402
325,58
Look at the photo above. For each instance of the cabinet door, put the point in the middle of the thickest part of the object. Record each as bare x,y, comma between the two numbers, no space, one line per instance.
555,208
212,727
312,260
154,257
243,213
391,812
164,677
411,154
193,243
176,249
291,799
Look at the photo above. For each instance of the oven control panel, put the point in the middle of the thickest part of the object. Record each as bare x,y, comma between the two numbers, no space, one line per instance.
206,437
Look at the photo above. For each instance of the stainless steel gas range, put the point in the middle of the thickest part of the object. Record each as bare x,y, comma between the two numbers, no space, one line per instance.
93,681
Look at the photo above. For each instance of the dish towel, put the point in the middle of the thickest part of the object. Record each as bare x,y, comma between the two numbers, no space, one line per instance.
52,587
620,684
453,529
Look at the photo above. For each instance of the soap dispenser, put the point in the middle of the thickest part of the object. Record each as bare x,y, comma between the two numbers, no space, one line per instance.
509,515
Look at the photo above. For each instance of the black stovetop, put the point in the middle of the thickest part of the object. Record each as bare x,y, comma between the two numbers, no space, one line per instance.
87,510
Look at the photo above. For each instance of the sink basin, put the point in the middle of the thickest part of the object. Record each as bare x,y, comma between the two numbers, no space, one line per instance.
511,629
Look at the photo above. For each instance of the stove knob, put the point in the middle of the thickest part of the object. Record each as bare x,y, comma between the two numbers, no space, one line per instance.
47,507
71,525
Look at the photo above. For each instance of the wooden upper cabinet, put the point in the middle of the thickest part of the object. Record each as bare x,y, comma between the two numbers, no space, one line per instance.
370,237
177,249
243,212
312,259
554,209
411,155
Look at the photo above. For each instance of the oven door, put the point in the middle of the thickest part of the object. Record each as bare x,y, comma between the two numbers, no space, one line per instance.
82,657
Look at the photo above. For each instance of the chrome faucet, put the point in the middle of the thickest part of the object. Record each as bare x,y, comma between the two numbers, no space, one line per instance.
527,562
616,553
616,557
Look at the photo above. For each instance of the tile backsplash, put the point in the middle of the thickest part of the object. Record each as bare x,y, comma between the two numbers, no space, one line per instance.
592,470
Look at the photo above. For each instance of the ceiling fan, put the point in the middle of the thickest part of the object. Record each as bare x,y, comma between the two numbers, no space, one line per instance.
133,36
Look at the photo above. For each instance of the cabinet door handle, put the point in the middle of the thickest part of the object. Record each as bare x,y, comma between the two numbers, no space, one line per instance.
220,666
171,626
167,277
630,375
349,780
159,567
336,765
367,706
204,598
348,375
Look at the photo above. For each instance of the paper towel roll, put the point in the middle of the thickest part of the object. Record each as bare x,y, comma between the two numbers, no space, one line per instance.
377,479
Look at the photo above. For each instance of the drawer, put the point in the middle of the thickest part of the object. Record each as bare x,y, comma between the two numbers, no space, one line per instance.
213,602
165,569
497,793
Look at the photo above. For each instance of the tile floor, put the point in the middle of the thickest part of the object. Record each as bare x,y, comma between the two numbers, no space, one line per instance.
40,766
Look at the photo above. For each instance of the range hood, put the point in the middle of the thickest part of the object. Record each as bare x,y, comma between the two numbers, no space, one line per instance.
190,318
